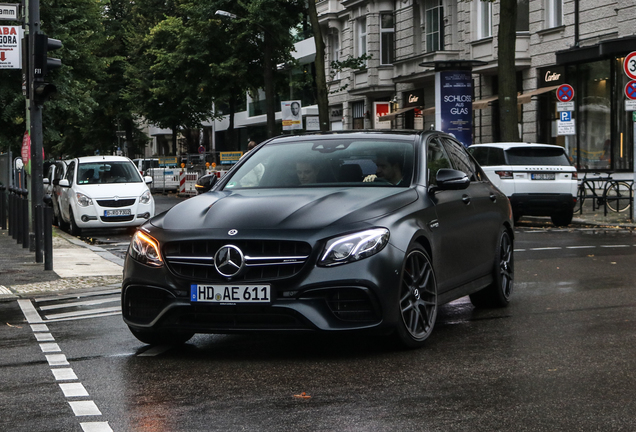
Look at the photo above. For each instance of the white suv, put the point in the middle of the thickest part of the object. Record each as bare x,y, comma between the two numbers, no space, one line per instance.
538,179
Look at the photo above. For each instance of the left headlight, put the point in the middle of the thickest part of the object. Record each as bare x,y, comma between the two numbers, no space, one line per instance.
83,200
145,249
354,247
145,197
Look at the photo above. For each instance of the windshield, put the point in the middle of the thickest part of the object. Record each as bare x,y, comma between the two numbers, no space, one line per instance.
327,162
537,156
107,172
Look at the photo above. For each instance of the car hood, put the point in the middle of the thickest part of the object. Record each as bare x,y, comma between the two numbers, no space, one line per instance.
110,190
284,209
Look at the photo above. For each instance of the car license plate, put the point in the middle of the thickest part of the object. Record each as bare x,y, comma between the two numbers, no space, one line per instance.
543,176
230,293
118,212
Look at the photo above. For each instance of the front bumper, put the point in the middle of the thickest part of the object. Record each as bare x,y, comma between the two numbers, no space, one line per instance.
93,216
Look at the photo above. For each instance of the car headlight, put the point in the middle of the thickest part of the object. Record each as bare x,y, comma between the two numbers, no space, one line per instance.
83,200
145,249
145,197
354,247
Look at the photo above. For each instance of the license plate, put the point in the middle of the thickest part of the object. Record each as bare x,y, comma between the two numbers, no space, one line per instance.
118,212
543,176
230,293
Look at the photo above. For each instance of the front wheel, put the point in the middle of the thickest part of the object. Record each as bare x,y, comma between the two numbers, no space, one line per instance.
497,294
75,230
618,196
155,337
417,299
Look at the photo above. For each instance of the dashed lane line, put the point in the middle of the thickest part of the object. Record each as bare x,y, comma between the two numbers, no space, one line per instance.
573,247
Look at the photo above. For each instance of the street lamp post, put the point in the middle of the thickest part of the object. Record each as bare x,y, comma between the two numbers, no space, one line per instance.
268,74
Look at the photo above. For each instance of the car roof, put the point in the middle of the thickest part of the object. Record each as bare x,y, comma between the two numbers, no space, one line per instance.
402,134
507,145
88,159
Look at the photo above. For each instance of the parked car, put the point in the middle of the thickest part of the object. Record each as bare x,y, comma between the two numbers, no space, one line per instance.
143,165
539,179
103,192
350,231
55,173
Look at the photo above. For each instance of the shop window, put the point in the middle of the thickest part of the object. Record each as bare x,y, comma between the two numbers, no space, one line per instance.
387,38
484,19
554,13
434,26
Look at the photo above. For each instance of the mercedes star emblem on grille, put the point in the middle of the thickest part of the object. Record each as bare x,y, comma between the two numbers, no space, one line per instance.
229,260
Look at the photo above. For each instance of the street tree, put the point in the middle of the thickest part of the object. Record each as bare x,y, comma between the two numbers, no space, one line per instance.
506,41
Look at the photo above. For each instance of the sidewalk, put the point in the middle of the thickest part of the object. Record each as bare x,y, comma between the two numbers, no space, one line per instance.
77,265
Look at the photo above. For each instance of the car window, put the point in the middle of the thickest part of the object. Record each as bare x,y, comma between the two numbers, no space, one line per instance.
69,172
59,170
551,156
488,156
460,159
107,172
332,162
436,159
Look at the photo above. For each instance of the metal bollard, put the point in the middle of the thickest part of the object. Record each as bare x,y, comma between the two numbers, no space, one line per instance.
3,207
39,229
11,212
18,213
25,217
48,232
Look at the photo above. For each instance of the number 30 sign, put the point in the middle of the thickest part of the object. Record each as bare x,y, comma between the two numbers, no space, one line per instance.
629,66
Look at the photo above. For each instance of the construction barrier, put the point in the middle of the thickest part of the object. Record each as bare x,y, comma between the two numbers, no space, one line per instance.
187,180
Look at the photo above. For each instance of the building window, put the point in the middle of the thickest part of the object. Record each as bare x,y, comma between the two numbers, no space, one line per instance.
484,19
523,16
362,36
434,26
387,37
358,115
554,13
334,53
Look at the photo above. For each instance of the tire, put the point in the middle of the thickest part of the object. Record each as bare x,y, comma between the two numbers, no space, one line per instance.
497,294
417,301
154,337
563,218
618,196
74,230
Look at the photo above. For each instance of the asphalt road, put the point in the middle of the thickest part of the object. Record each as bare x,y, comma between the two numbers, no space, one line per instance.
561,357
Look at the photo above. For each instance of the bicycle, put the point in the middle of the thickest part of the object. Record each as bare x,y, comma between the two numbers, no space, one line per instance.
617,194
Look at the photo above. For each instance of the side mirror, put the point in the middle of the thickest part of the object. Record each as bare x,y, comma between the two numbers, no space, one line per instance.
205,183
64,183
148,179
450,179
45,180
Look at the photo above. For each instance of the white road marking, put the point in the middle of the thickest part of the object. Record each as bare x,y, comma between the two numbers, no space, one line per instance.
78,295
84,312
73,389
86,317
155,350
82,303
5,290
546,248
50,347
63,374
57,360
96,427
580,247
39,328
614,246
85,408
31,315
43,337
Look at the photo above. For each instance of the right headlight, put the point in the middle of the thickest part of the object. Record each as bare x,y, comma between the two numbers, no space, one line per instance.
145,249
354,247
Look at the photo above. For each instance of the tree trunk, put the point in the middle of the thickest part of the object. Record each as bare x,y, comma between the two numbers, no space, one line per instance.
321,79
507,37
270,95
232,105
174,140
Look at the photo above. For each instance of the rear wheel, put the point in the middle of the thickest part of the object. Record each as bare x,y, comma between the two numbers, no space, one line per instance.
563,218
618,196
497,294
154,337
418,299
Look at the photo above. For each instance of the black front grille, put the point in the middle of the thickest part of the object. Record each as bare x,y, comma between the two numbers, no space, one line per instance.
265,259
117,218
143,304
116,203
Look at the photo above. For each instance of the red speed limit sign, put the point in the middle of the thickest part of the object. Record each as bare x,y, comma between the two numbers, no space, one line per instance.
629,65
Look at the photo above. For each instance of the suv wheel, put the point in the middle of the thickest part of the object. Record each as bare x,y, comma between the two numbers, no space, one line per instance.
563,218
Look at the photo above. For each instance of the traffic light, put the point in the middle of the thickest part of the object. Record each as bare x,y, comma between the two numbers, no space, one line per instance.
42,64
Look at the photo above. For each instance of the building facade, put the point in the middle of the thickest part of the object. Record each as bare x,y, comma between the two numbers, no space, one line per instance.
582,43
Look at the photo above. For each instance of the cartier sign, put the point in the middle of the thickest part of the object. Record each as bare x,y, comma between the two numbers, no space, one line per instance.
550,76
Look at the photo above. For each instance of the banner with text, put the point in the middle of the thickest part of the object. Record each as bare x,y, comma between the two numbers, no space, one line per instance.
454,98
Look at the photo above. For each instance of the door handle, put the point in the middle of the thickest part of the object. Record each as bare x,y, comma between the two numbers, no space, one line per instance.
493,197
466,199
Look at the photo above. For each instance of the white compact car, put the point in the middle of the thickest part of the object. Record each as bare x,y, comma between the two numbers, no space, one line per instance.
103,192
538,179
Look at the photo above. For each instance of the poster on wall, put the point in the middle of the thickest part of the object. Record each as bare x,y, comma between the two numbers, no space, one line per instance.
453,94
381,109
291,115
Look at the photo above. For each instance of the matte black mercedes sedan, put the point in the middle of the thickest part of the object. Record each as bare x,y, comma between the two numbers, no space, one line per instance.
350,231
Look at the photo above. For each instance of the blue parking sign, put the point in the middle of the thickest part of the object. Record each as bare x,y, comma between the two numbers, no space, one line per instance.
566,116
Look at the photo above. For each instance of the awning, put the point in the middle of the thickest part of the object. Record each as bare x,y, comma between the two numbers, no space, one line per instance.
393,115
484,103
527,97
